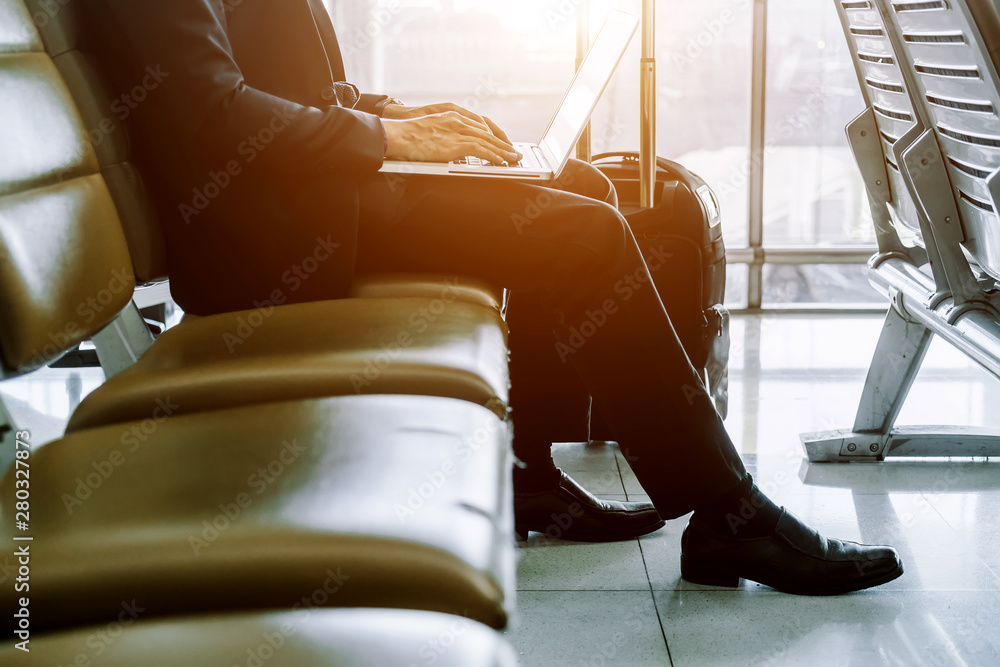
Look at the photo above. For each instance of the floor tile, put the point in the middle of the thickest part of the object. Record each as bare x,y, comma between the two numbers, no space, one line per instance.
868,628
577,456
932,476
591,605
588,629
973,517
933,555
556,565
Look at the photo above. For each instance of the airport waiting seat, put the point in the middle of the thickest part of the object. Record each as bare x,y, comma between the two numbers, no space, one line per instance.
377,501
309,350
60,27
62,30
405,498
928,147
320,638
422,285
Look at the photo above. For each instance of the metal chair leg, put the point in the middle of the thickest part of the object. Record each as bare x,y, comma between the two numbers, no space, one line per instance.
123,341
8,431
898,355
901,349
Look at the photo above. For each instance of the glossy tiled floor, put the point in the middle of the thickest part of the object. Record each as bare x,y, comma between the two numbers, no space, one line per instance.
625,604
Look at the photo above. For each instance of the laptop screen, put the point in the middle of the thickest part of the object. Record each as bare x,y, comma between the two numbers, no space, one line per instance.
593,76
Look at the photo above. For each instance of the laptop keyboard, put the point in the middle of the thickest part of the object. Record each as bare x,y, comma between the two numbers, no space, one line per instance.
473,161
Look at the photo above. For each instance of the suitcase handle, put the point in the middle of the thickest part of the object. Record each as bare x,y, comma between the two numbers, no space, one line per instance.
632,157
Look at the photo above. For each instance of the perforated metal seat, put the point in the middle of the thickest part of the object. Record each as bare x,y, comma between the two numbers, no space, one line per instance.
928,147
888,117
956,79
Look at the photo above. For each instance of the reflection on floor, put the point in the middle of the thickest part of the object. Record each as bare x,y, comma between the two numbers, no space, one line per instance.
624,604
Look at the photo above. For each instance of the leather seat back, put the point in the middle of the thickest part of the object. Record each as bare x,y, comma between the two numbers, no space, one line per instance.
65,269
62,29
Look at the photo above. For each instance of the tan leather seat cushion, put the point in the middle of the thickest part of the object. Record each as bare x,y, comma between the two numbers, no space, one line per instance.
379,501
329,348
64,265
322,638
428,286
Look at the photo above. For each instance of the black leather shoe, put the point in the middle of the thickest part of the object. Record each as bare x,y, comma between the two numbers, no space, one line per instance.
794,559
568,511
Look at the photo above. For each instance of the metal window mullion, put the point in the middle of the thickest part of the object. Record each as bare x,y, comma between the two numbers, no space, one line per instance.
647,126
805,255
755,216
584,146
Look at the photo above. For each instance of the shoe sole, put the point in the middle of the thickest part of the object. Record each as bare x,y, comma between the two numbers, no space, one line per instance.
714,575
522,532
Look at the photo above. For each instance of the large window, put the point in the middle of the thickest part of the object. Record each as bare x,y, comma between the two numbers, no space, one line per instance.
511,61
813,193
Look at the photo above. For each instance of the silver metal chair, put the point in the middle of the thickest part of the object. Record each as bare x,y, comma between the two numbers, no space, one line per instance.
928,146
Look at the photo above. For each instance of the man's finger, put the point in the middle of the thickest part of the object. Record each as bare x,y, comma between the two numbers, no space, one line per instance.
474,117
496,142
474,120
495,129
486,152
505,152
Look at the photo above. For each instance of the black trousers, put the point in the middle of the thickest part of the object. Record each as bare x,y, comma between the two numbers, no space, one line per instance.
566,249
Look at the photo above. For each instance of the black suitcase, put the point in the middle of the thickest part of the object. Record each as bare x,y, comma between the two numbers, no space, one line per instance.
681,240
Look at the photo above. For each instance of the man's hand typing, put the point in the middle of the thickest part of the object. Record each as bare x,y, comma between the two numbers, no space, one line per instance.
442,133
402,112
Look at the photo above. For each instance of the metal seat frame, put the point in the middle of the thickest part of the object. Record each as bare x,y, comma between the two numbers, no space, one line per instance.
934,287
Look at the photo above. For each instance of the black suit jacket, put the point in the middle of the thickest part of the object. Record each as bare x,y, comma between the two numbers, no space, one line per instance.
250,146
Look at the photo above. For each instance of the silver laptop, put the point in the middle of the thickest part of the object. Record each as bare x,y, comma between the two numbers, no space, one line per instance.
546,159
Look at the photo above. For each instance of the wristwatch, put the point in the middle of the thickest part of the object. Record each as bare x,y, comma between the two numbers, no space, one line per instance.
384,102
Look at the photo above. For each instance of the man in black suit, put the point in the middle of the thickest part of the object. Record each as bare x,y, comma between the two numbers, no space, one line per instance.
253,100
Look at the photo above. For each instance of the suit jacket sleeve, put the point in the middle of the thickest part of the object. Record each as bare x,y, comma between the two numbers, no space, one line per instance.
205,97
